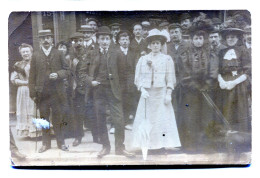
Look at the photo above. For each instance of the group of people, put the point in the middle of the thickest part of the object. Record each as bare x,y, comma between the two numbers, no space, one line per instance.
174,85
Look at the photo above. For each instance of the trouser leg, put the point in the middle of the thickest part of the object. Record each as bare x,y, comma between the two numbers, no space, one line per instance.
116,111
91,116
58,119
100,101
44,108
79,115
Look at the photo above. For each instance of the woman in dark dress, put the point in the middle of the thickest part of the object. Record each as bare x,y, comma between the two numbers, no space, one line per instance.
197,76
233,81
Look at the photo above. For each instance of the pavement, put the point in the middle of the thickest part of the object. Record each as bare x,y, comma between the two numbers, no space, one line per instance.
86,154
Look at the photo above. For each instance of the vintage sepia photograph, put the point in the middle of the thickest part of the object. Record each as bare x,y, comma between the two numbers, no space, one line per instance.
95,88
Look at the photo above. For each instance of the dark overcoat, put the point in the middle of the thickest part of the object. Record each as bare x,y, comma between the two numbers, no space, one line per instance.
38,69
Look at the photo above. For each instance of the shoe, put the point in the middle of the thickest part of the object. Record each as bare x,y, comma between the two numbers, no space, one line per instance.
18,155
125,153
128,127
64,148
44,148
103,152
112,130
76,142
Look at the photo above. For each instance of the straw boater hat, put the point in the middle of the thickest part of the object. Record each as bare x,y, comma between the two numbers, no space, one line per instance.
156,34
91,19
43,33
146,24
86,28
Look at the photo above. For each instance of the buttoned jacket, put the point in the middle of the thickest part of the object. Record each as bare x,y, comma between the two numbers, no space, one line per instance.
157,71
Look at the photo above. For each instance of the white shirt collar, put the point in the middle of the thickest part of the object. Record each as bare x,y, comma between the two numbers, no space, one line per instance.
114,40
138,41
94,38
102,50
124,50
46,51
88,43
248,46
176,46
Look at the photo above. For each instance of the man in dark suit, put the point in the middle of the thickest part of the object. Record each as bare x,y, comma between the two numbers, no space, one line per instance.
46,84
82,112
115,29
104,78
176,48
138,44
127,73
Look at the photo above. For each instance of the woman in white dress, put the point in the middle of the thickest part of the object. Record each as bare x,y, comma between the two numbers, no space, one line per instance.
154,125
25,106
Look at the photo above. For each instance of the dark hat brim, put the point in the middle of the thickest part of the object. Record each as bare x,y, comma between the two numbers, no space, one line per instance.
227,31
103,33
86,30
44,35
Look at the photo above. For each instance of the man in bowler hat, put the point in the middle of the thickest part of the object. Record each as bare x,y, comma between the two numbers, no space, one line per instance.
46,84
104,78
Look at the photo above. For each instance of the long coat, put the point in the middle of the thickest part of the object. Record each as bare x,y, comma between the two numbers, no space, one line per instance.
199,68
38,70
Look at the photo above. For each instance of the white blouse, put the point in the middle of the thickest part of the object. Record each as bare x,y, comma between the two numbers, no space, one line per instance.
157,70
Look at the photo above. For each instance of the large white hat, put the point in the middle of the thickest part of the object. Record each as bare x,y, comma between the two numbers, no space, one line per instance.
156,34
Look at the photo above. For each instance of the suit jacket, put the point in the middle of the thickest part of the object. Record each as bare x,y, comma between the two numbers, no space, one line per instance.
177,56
127,69
90,69
138,48
37,76
218,49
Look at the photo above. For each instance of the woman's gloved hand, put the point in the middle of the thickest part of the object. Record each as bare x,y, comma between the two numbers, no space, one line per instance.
168,96
144,93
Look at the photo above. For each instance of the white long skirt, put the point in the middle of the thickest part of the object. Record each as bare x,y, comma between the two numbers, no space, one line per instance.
163,129
25,112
